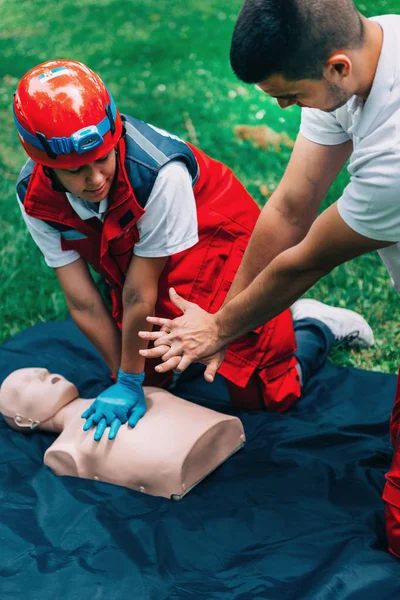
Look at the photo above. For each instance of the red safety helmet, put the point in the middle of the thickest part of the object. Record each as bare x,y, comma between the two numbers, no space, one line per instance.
65,115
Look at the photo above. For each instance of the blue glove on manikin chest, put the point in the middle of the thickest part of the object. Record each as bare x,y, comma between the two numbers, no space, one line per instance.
124,401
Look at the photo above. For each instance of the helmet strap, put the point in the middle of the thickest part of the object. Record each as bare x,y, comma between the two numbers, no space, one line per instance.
110,118
46,146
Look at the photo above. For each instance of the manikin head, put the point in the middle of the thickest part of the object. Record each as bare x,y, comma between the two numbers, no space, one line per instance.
67,121
304,52
28,397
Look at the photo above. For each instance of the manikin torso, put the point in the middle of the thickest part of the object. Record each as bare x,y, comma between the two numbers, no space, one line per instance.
174,446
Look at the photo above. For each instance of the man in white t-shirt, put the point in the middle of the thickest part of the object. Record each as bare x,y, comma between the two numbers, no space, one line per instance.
344,71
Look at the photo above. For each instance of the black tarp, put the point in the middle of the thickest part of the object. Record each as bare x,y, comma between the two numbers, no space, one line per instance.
296,515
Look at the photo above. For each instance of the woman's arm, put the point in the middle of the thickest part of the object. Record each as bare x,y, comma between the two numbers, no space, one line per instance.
139,298
89,312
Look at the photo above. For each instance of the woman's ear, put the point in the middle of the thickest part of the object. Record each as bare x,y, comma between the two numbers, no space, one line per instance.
55,183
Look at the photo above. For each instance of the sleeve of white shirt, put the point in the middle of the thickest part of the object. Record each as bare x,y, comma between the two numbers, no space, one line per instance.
370,204
322,127
169,224
48,240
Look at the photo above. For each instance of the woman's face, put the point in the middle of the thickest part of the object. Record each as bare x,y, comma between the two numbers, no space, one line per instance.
90,182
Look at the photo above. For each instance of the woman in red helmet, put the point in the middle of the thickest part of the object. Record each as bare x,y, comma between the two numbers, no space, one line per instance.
148,212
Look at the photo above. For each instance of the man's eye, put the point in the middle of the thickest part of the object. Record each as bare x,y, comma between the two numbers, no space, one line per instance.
102,159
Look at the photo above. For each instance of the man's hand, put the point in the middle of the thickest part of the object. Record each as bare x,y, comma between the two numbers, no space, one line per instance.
193,337
122,401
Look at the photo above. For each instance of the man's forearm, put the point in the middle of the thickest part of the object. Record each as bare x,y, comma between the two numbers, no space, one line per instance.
99,327
329,243
271,292
274,233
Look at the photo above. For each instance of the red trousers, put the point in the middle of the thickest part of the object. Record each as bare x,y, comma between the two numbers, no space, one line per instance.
391,492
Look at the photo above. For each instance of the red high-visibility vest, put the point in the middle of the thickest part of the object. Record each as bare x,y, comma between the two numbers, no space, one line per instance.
260,366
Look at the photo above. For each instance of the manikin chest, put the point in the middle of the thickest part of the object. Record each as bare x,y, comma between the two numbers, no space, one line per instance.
173,447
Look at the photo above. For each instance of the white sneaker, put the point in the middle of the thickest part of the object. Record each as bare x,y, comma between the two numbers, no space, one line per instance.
348,327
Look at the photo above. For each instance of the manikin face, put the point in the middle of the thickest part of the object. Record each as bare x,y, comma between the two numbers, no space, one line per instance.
90,182
35,394
306,93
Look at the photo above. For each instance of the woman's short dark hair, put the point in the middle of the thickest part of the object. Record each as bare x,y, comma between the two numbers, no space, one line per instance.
292,38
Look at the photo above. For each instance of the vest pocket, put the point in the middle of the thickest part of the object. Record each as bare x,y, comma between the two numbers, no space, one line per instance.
124,242
221,260
121,248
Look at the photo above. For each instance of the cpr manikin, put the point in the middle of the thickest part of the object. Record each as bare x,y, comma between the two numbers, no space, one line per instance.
174,446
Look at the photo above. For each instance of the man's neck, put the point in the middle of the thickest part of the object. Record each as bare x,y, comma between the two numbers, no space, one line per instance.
366,66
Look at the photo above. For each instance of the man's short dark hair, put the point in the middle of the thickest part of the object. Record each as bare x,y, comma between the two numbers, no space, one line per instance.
292,38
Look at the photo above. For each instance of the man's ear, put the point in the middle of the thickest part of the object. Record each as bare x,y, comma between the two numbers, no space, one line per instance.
337,67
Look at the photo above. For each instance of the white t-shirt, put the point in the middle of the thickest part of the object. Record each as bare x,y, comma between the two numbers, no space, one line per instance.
168,226
370,203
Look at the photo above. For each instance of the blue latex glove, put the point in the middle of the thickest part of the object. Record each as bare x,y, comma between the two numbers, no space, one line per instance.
114,406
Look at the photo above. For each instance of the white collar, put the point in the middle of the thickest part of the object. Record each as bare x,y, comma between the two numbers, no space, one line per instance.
82,207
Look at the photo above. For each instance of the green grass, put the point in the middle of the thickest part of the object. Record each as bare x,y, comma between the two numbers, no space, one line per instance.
165,62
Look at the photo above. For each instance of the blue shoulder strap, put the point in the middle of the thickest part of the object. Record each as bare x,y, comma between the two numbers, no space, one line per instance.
148,149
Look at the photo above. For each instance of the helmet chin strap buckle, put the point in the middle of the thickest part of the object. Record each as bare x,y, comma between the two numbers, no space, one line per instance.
25,422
